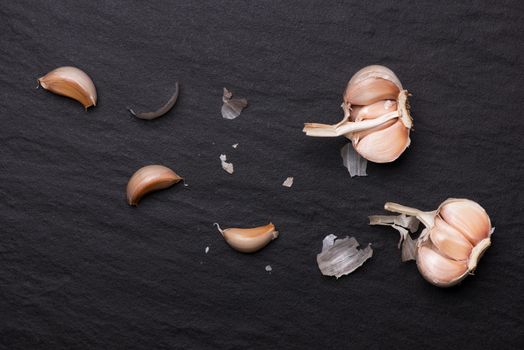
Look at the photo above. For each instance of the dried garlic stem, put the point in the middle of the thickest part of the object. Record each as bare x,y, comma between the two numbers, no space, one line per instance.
427,218
326,130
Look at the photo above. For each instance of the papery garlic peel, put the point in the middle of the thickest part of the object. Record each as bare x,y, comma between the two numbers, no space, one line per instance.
376,115
71,82
455,237
148,179
249,240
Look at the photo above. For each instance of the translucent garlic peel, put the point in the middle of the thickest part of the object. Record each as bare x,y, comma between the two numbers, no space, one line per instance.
232,107
71,82
354,162
444,253
340,257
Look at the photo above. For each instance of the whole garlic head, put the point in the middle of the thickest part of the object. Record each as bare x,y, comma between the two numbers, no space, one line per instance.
449,248
376,115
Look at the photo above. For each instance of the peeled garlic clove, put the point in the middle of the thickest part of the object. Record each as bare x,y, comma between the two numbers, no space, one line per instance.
148,179
249,240
71,82
375,71
384,145
370,90
438,269
468,217
450,241
374,110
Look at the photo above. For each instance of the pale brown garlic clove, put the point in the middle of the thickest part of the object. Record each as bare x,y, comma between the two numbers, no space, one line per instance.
376,117
249,240
449,248
148,179
71,82
369,91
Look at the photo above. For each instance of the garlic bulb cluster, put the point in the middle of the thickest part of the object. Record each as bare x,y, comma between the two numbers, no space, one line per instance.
71,82
376,115
449,248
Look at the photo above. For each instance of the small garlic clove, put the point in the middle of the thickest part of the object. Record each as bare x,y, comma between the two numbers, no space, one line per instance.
450,241
468,217
439,270
383,145
374,110
375,71
249,240
71,82
370,90
148,179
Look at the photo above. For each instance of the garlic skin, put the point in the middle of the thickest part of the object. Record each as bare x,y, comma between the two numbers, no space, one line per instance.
148,179
71,82
249,240
376,116
455,237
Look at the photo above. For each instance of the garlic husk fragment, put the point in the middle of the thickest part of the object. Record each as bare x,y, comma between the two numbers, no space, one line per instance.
232,107
376,116
249,240
354,162
148,179
228,167
340,257
70,82
449,248
288,182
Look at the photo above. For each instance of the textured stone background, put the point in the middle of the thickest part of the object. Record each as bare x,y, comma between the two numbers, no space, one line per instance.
80,269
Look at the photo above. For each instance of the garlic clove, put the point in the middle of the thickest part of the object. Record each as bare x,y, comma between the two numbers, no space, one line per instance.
450,241
468,217
371,90
374,110
148,179
162,110
439,270
384,145
71,82
375,71
249,240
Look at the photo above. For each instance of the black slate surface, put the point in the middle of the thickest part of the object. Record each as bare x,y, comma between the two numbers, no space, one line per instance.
80,269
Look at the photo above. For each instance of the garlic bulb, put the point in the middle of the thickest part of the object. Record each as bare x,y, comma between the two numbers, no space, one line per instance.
71,82
376,116
449,248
